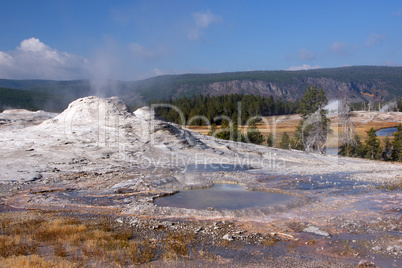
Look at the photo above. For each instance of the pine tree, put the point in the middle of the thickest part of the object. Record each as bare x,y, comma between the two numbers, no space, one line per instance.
387,151
285,141
253,134
314,126
270,140
212,130
297,141
235,132
372,148
396,154
354,148
224,132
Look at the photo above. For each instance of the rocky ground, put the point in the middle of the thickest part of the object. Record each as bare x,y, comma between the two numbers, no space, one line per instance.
97,158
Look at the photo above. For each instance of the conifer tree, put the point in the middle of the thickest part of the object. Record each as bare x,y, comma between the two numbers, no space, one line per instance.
372,148
285,141
311,134
270,140
396,154
235,132
212,130
253,134
224,132
387,151
353,148
358,149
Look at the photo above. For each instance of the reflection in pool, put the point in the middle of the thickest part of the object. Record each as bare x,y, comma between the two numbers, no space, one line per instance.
223,196
332,151
383,132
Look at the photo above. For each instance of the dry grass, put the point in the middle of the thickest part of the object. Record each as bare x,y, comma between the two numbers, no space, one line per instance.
177,244
15,242
65,242
277,125
270,241
392,186
56,241
35,261
141,253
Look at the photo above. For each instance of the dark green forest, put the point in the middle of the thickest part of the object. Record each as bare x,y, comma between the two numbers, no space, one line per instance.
216,108
30,100
289,85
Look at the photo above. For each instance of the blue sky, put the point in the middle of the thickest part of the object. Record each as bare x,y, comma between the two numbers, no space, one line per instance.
131,40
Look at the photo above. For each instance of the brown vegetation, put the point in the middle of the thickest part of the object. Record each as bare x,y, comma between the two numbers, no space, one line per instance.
57,241
277,125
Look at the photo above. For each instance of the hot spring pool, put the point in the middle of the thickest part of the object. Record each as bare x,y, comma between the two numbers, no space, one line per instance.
385,131
223,197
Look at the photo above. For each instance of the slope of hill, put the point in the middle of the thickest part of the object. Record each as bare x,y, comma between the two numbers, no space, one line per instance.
16,98
359,83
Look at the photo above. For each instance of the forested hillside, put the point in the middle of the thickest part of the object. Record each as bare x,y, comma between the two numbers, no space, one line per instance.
23,99
358,83
216,108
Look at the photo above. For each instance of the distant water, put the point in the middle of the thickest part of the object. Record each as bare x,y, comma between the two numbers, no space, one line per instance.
332,151
223,196
383,132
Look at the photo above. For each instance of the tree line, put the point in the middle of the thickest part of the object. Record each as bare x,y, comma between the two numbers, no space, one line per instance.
310,135
30,100
201,110
313,129
372,147
392,106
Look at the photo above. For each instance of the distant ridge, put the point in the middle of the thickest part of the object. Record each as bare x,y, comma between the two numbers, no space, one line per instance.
359,83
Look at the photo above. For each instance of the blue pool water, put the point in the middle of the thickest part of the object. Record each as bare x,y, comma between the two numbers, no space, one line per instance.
222,197
385,131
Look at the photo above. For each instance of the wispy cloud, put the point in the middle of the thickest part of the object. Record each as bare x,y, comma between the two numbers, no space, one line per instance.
202,21
303,67
390,63
5,59
194,34
140,52
305,54
397,13
156,72
34,59
374,39
339,48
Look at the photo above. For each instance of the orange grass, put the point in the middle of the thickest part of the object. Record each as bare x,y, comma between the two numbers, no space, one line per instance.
56,241
277,125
